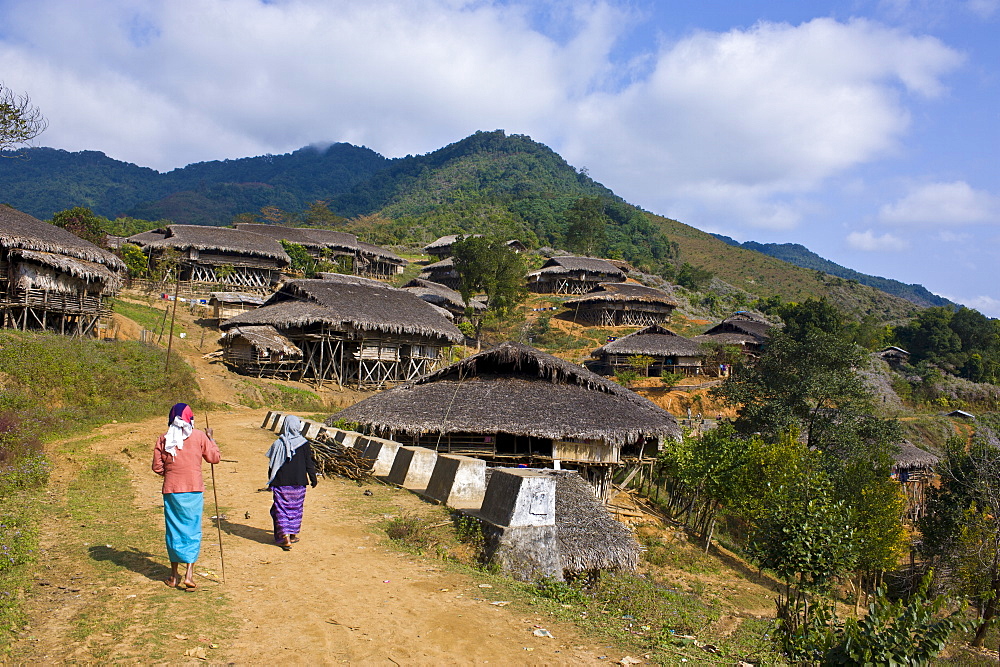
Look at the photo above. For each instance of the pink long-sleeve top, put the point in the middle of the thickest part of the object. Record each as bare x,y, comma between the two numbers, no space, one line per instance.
182,472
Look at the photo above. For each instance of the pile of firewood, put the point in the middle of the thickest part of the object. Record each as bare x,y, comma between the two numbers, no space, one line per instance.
335,459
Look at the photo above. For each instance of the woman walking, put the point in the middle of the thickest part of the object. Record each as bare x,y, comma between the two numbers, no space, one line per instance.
177,457
291,465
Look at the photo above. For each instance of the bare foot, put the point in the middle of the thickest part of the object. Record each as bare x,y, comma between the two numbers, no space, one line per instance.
171,581
286,543
190,585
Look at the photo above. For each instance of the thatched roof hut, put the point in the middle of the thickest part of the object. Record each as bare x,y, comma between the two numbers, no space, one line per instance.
230,304
622,304
50,278
742,329
670,352
261,350
349,303
314,240
914,468
442,273
20,231
219,254
573,275
911,457
355,329
513,402
442,247
443,297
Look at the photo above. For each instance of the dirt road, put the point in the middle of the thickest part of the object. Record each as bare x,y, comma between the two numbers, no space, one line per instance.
341,595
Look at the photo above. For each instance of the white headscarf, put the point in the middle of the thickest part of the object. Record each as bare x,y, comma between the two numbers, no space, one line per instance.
179,429
282,449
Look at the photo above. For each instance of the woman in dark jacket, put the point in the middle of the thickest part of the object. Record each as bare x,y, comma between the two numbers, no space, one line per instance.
291,466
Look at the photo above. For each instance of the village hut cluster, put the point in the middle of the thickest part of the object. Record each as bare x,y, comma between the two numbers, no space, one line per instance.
345,330
50,279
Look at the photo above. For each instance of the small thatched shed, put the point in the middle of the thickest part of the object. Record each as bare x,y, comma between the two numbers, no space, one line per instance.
914,469
442,272
261,350
622,304
670,352
52,279
744,330
229,304
443,297
573,275
515,404
590,539
354,330
894,356
218,255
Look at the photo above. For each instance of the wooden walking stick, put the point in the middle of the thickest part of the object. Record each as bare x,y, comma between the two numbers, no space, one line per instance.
218,517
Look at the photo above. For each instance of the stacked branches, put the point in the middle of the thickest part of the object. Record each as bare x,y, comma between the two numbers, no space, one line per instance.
333,458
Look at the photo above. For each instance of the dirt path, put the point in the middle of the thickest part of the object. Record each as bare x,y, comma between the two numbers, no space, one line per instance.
339,596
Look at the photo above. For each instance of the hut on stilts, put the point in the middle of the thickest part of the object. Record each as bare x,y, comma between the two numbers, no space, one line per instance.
573,275
670,352
261,351
914,469
514,405
218,255
622,304
744,330
51,279
442,272
351,331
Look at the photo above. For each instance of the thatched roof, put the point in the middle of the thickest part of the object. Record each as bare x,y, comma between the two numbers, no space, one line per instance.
742,323
25,232
655,341
145,238
78,268
910,457
447,241
264,339
304,236
562,265
515,389
380,253
349,303
629,292
589,537
221,239
439,295
236,297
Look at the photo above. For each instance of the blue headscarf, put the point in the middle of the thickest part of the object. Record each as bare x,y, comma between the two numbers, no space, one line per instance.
284,447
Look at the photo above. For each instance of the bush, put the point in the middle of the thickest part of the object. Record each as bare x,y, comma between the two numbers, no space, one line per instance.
559,591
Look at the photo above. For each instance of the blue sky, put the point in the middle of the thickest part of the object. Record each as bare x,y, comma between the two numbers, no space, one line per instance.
867,131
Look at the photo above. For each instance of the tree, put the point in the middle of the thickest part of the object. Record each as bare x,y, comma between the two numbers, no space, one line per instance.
20,120
135,259
302,261
695,278
486,265
84,223
586,225
961,529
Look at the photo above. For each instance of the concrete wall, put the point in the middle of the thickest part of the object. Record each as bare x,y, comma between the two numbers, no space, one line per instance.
412,467
458,481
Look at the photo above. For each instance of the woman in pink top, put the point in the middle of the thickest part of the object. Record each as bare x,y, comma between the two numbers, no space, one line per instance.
177,456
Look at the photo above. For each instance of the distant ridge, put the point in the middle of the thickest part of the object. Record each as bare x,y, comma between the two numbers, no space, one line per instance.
799,255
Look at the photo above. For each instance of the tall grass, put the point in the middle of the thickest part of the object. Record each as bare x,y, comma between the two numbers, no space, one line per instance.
53,385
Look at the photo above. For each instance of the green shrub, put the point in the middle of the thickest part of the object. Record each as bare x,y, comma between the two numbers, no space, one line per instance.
560,591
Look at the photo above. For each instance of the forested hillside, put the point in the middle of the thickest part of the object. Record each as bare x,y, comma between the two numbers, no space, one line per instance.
799,255
509,185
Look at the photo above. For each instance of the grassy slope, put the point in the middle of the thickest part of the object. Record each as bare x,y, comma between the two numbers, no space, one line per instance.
767,276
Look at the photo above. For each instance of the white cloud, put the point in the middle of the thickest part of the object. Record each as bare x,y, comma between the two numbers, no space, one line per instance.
868,241
984,9
987,305
775,108
738,127
955,203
